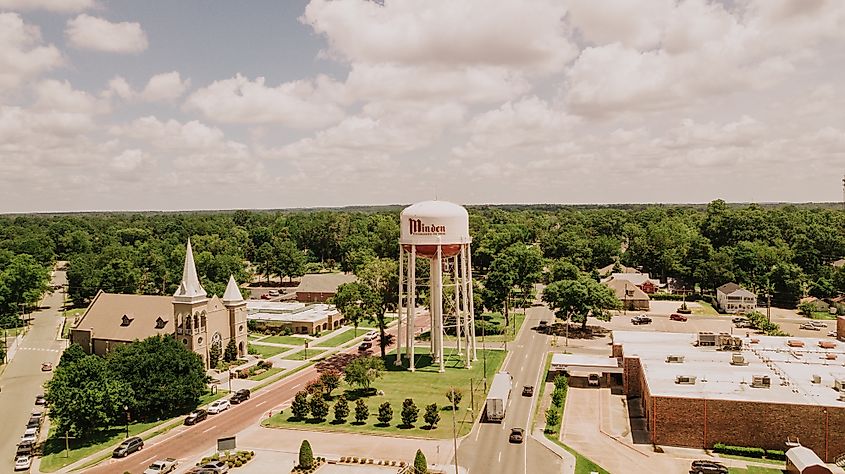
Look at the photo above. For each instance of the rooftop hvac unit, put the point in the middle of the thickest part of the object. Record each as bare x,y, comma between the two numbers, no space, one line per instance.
738,359
817,378
839,384
675,359
761,381
685,380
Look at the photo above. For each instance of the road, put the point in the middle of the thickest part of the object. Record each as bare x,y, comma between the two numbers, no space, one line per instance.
486,448
23,378
186,442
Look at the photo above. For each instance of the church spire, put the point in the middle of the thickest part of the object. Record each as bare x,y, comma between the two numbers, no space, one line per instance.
190,290
232,295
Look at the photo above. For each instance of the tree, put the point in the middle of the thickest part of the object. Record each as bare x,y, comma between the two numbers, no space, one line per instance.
454,394
341,409
231,353
577,299
288,260
319,408
385,413
361,411
73,354
420,463
519,266
306,456
410,412
214,354
330,380
300,408
356,302
380,276
165,377
363,371
806,308
432,415
552,419
264,260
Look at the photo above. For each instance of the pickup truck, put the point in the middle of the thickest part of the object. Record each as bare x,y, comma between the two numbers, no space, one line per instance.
162,467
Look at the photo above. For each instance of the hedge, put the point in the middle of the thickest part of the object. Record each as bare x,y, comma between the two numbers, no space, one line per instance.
673,297
773,454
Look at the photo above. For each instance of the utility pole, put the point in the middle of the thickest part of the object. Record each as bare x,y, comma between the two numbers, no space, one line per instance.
455,435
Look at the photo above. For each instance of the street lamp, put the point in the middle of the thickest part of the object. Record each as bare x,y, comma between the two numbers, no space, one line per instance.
126,410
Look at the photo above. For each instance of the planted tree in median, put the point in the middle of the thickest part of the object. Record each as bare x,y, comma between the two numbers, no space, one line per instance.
363,371
432,415
385,413
331,381
420,463
306,456
299,408
552,419
319,407
361,411
341,410
410,413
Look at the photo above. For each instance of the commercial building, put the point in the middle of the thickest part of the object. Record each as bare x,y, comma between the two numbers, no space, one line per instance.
189,315
765,392
319,287
579,368
298,317
734,299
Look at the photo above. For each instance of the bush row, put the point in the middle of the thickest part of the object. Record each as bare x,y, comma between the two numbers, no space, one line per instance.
749,452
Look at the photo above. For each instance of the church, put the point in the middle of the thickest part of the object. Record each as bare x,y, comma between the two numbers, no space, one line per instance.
190,316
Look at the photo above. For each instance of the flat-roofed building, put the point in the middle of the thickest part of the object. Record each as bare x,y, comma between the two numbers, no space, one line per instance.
304,319
319,287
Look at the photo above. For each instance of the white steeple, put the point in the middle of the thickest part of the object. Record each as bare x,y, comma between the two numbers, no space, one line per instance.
190,290
232,295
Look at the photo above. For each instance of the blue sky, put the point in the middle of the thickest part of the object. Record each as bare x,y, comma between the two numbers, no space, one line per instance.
272,104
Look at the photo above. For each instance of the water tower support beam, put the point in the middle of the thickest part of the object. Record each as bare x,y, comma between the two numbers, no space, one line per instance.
471,302
412,305
465,307
437,284
398,361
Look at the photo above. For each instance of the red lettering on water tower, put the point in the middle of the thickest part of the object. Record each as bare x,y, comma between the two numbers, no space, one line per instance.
418,227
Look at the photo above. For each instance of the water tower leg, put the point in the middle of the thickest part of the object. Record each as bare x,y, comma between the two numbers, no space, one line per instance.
471,301
465,307
435,275
458,319
398,361
437,282
412,305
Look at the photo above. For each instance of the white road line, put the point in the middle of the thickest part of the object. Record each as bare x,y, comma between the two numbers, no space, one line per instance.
262,403
206,431
500,456
148,459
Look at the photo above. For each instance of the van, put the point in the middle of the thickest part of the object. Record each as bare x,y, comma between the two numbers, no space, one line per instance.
128,446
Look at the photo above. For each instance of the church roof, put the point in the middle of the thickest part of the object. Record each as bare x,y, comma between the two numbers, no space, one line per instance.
127,317
232,293
190,290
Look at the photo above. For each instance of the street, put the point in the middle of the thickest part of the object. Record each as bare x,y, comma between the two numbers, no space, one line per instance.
486,448
23,378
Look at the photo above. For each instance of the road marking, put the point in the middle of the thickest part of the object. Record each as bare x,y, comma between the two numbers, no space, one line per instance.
262,403
500,456
206,431
148,459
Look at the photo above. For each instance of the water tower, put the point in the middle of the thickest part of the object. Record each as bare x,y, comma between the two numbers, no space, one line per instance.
437,231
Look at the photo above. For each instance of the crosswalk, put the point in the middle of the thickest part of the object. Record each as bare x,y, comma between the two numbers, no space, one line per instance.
41,349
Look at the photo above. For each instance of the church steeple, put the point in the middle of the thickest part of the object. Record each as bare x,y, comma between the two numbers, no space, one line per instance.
190,290
232,296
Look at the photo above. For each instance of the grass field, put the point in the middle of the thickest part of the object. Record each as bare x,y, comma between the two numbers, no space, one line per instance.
289,340
755,470
266,374
429,387
341,338
823,315
265,351
704,308
509,335
301,354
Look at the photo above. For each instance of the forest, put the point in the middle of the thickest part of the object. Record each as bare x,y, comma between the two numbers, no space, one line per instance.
786,249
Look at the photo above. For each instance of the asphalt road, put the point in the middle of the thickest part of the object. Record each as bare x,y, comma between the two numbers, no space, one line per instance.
486,449
23,378
186,442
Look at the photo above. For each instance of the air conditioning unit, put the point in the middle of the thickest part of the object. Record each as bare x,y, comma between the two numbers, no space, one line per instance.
761,381
817,378
685,379
675,359
839,384
738,359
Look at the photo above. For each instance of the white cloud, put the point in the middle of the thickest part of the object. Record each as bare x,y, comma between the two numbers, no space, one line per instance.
118,87
165,86
89,32
298,104
61,6
22,54
61,96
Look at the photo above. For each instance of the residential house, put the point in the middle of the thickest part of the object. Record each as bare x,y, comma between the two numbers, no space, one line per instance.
631,296
640,280
732,298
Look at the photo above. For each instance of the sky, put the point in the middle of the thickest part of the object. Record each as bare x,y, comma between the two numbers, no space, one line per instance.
198,104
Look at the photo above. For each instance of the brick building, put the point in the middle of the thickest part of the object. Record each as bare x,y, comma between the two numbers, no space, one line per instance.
772,391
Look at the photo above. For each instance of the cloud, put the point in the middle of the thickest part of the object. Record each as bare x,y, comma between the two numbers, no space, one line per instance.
165,86
89,32
61,96
22,54
297,104
60,6
118,87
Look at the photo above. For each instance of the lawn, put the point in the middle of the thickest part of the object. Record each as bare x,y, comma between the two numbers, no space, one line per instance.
341,338
824,315
750,459
704,308
429,387
301,354
255,337
289,340
267,373
509,335
72,313
266,351
754,470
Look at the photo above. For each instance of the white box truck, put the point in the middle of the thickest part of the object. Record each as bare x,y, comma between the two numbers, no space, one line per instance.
497,399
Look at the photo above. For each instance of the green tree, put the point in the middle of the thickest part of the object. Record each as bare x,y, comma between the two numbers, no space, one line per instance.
361,411
73,354
552,419
518,267
306,456
432,415
330,380
454,394
264,260
410,412
420,463
214,354
288,260
575,300
381,277
300,408
341,409
363,371
319,407
385,413
231,353
356,302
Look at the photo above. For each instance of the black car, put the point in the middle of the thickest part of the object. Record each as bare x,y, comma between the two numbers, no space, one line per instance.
517,435
241,395
640,320
128,446
707,467
543,327
34,422
365,346
528,391
196,416
40,400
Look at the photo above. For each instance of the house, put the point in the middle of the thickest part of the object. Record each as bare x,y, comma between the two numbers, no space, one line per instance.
631,296
732,298
190,316
839,263
641,280
613,268
319,287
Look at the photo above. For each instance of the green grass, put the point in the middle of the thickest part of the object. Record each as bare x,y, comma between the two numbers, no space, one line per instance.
750,459
542,387
301,354
341,338
755,470
704,308
72,313
268,373
289,340
265,351
823,315
429,386
509,335
255,337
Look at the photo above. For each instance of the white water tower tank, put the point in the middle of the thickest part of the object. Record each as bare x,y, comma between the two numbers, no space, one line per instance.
428,224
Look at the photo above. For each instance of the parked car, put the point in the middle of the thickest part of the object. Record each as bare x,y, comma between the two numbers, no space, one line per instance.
364,346
162,466
739,320
34,422
218,406
528,391
517,435
196,416
31,434
678,317
544,326
832,334
273,292
25,448
46,367
593,380
707,467
640,320
241,395
23,462
265,296
371,336
809,327
743,324
128,446
219,467
40,400
817,323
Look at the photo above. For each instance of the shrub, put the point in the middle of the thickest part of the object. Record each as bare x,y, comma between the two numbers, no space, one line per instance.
432,415
749,452
561,382
319,407
558,396
420,464
315,387
454,395
410,412
299,408
552,420
341,409
385,413
306,456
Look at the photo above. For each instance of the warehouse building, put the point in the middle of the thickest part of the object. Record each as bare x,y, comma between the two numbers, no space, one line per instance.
756,391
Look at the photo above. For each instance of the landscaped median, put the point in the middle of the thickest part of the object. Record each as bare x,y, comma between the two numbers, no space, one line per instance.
424,387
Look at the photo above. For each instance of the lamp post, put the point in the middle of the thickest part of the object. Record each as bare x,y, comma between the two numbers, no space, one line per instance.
126,410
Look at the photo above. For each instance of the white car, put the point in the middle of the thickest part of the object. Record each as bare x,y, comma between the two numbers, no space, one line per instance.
23,462
371,336
218,406
273,293
30,435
